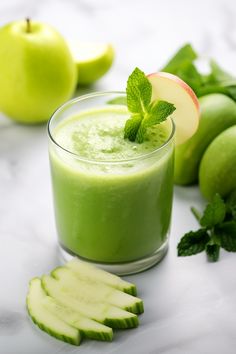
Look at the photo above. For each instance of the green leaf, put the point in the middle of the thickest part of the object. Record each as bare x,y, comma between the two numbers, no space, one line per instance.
231,205
158,112
118,100
218,81
227,235
214,213
189,73
231,91
213,251
140,137
132,126
139,92
182,65
218,74
146,114
193,242
212,88
183,55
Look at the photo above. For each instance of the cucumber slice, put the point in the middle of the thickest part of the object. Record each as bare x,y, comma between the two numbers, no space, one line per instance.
46,320
88,272
97,291
89,328
101,312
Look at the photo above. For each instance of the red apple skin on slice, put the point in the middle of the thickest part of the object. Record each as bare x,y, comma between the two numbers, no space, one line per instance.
171,88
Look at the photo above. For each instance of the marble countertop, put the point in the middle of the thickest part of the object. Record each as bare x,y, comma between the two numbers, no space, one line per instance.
190,304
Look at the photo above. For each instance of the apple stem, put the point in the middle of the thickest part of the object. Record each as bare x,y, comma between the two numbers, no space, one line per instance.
28,25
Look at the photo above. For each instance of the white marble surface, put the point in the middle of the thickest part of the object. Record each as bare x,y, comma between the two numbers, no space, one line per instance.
190,304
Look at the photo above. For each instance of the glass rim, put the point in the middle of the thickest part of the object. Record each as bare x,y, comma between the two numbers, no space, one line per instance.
94,161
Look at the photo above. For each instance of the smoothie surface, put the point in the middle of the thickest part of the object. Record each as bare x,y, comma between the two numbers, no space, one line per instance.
99,135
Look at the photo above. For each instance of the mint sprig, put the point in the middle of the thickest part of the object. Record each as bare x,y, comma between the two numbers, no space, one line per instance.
218,229
144,112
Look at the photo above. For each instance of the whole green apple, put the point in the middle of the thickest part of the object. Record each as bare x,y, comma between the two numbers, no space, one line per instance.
37,72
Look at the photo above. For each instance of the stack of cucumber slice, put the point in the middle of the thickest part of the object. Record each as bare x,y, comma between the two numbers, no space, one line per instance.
79,300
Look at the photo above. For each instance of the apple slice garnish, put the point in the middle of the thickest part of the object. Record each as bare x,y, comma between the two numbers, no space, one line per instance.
171,88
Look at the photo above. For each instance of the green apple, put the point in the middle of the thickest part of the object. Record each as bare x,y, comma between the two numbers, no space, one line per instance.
217,173
218,112
37,71
93,60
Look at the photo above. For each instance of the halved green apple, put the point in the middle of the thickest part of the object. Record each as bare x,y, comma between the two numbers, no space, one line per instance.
92,59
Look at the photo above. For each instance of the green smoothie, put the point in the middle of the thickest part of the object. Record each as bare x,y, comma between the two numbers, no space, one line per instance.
112,197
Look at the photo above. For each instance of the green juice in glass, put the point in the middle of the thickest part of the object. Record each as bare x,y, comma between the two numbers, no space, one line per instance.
112,197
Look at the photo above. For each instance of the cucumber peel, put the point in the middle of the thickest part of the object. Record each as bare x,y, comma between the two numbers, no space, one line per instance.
88,328
46,320
79,300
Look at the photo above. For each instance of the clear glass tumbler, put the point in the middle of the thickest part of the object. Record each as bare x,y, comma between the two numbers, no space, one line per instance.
115,214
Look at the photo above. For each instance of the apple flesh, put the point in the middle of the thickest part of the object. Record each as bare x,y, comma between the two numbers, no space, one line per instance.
171,88
92,60
37,71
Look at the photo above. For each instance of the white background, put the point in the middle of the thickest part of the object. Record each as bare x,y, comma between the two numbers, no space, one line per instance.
190,304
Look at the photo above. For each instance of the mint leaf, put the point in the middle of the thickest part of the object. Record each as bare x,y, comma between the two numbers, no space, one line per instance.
231,205
158,112
145,113
193,242
132,126
227,235
140,137
213,251
214,212
139,92
118,100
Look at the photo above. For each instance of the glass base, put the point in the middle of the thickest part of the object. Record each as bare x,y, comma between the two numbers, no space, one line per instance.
126,268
